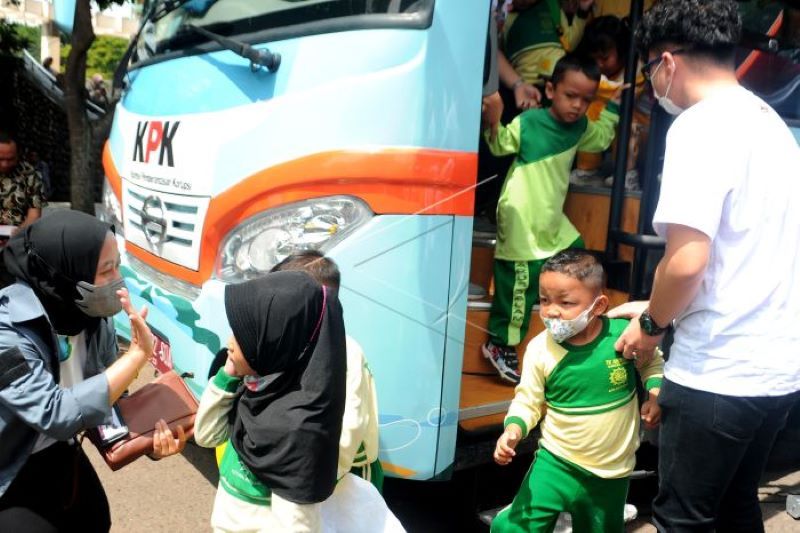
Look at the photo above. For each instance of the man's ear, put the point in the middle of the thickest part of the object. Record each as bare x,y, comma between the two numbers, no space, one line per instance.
549,90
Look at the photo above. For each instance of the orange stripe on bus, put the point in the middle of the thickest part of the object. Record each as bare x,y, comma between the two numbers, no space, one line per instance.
398,470
114,179
393,181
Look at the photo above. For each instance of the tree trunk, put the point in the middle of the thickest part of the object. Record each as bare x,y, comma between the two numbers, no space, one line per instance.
82,168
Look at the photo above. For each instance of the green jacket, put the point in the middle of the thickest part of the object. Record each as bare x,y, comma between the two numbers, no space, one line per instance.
531,223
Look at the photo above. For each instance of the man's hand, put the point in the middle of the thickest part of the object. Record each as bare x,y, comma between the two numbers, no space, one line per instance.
504,451
635,344
491,111
651,412
527,96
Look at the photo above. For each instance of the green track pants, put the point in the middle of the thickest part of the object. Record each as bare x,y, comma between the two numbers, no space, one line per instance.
554,485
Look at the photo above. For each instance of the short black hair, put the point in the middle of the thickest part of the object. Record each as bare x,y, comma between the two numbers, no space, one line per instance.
710,29
605,33
6,137
315,264
579,264
575,63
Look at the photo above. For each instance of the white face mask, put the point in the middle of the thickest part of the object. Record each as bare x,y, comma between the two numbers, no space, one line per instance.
562,330
665,101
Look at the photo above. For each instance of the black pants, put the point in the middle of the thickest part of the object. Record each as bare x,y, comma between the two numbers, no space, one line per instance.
56,490
712,453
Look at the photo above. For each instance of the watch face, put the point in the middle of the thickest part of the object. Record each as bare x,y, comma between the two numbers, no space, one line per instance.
647,324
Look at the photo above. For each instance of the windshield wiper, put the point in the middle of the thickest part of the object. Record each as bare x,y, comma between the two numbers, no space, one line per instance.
157,11
258,57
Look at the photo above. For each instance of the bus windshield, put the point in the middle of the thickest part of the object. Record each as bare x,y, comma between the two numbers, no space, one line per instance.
172,32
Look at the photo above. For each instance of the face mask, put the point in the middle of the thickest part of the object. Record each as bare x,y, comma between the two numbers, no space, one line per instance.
664,101
562,330
100,301
256,383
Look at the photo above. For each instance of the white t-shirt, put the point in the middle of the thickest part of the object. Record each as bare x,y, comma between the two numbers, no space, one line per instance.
72,359
732,171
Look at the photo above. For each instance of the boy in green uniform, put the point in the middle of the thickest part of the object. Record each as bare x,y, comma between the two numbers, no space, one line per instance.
538,33
531,225
591,431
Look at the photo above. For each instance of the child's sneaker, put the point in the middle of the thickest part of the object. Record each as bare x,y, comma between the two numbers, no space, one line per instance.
476,292
631,181
504,359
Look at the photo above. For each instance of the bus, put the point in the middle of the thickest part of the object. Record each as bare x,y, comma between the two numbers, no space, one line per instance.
249,130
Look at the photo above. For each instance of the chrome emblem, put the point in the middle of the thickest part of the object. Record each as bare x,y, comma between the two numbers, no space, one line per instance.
153,222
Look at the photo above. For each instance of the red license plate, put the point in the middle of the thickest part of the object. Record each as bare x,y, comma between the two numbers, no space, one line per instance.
162,355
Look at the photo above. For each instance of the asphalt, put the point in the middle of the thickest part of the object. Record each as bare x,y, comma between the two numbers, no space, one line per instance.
176,494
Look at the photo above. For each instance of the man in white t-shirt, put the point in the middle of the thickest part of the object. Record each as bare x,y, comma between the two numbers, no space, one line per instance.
730,277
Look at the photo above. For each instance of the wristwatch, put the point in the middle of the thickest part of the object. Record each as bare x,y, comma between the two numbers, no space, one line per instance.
649,325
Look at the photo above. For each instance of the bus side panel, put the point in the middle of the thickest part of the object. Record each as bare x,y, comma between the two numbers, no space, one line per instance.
395,274
454,344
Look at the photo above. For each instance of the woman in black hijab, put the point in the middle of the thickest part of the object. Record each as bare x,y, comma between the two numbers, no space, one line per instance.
59,372
288,347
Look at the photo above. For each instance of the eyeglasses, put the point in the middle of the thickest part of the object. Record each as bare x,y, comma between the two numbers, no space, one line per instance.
647,68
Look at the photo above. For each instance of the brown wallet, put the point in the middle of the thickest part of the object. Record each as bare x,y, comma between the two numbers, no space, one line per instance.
165,397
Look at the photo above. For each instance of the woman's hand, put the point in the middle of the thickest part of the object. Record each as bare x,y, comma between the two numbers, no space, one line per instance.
164,441
142,339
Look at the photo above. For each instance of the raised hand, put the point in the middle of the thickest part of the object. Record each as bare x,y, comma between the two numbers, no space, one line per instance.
164,441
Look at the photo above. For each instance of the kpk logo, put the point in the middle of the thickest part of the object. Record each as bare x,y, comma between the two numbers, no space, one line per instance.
155,137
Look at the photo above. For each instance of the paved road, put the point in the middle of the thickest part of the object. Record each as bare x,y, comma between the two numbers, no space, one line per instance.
177,495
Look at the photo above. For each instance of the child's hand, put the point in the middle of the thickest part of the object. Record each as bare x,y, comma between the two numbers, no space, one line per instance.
491,111
651,412
231,370
504,451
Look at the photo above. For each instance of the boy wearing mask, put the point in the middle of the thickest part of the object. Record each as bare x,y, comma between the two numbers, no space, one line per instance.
591,431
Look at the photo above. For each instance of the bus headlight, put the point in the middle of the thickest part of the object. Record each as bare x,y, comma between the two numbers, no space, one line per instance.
110,210
261,242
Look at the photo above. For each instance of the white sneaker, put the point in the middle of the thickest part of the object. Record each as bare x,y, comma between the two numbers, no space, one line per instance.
585,178
563,524
631,181
476,292
630,513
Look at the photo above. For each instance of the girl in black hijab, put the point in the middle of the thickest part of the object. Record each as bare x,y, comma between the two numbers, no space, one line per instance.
283,387
59,372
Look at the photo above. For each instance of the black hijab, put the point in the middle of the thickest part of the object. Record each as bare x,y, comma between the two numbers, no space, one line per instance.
52,255
290,330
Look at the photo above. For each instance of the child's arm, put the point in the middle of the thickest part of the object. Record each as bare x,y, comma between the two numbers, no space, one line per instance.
506,141
525,410
354,423
571,34
600,133
652,375
211,426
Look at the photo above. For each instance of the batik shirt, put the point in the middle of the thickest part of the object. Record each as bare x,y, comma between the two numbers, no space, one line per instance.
20,190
